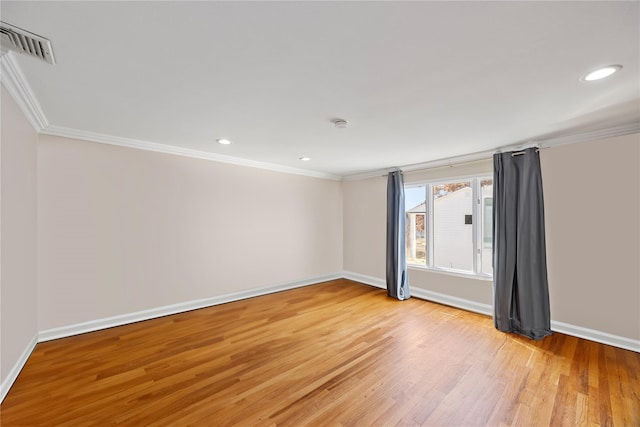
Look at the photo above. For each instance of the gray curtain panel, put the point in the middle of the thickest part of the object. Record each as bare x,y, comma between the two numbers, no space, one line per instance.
521,290
397,279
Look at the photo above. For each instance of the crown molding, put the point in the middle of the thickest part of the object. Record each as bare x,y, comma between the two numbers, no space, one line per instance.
178,151
18,86
592,135
448,161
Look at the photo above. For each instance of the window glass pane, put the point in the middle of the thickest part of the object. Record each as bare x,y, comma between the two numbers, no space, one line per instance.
486,198
452,225
416,221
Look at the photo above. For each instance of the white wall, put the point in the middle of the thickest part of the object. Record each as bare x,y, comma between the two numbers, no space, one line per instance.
123,230
592,215
453,239
18,236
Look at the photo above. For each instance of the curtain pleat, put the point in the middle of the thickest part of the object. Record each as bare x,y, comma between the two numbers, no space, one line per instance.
397,279
521,290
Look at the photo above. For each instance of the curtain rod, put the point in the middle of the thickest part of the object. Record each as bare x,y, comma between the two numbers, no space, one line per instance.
489,155
519,153
448,165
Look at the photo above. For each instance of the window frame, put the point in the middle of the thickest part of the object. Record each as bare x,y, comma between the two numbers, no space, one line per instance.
477,224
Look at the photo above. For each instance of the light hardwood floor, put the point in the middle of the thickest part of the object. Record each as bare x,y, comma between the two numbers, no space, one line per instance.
336,353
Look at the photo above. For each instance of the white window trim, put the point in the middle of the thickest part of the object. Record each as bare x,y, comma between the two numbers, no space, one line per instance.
451,272
475,179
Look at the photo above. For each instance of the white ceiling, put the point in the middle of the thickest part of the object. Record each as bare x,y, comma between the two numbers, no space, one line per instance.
417,81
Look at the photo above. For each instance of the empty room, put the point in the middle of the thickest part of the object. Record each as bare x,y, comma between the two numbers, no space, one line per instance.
320,213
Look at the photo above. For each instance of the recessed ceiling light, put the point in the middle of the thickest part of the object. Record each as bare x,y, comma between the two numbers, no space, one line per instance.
305,158
223,141
601,73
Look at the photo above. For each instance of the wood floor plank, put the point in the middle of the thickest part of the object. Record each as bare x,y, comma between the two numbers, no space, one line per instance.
335,353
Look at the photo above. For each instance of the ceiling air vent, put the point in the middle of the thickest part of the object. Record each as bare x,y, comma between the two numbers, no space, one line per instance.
14,38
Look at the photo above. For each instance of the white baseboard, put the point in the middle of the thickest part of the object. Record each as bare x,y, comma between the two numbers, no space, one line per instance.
109,322
123,319
5,386
597,336
476,307
465,304
367,280
424,294
452,301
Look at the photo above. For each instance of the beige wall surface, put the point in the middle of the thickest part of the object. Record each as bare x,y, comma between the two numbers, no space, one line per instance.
592,222
365,214
124,230
18,235
592,230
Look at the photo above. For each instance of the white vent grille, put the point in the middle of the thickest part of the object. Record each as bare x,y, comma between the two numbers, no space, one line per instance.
24,42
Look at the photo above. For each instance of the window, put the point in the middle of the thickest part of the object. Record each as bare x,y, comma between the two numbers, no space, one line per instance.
449,225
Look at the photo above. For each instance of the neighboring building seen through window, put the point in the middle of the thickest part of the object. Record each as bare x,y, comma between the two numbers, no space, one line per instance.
449,225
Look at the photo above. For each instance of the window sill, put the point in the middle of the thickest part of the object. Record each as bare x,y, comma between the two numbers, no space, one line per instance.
457,273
